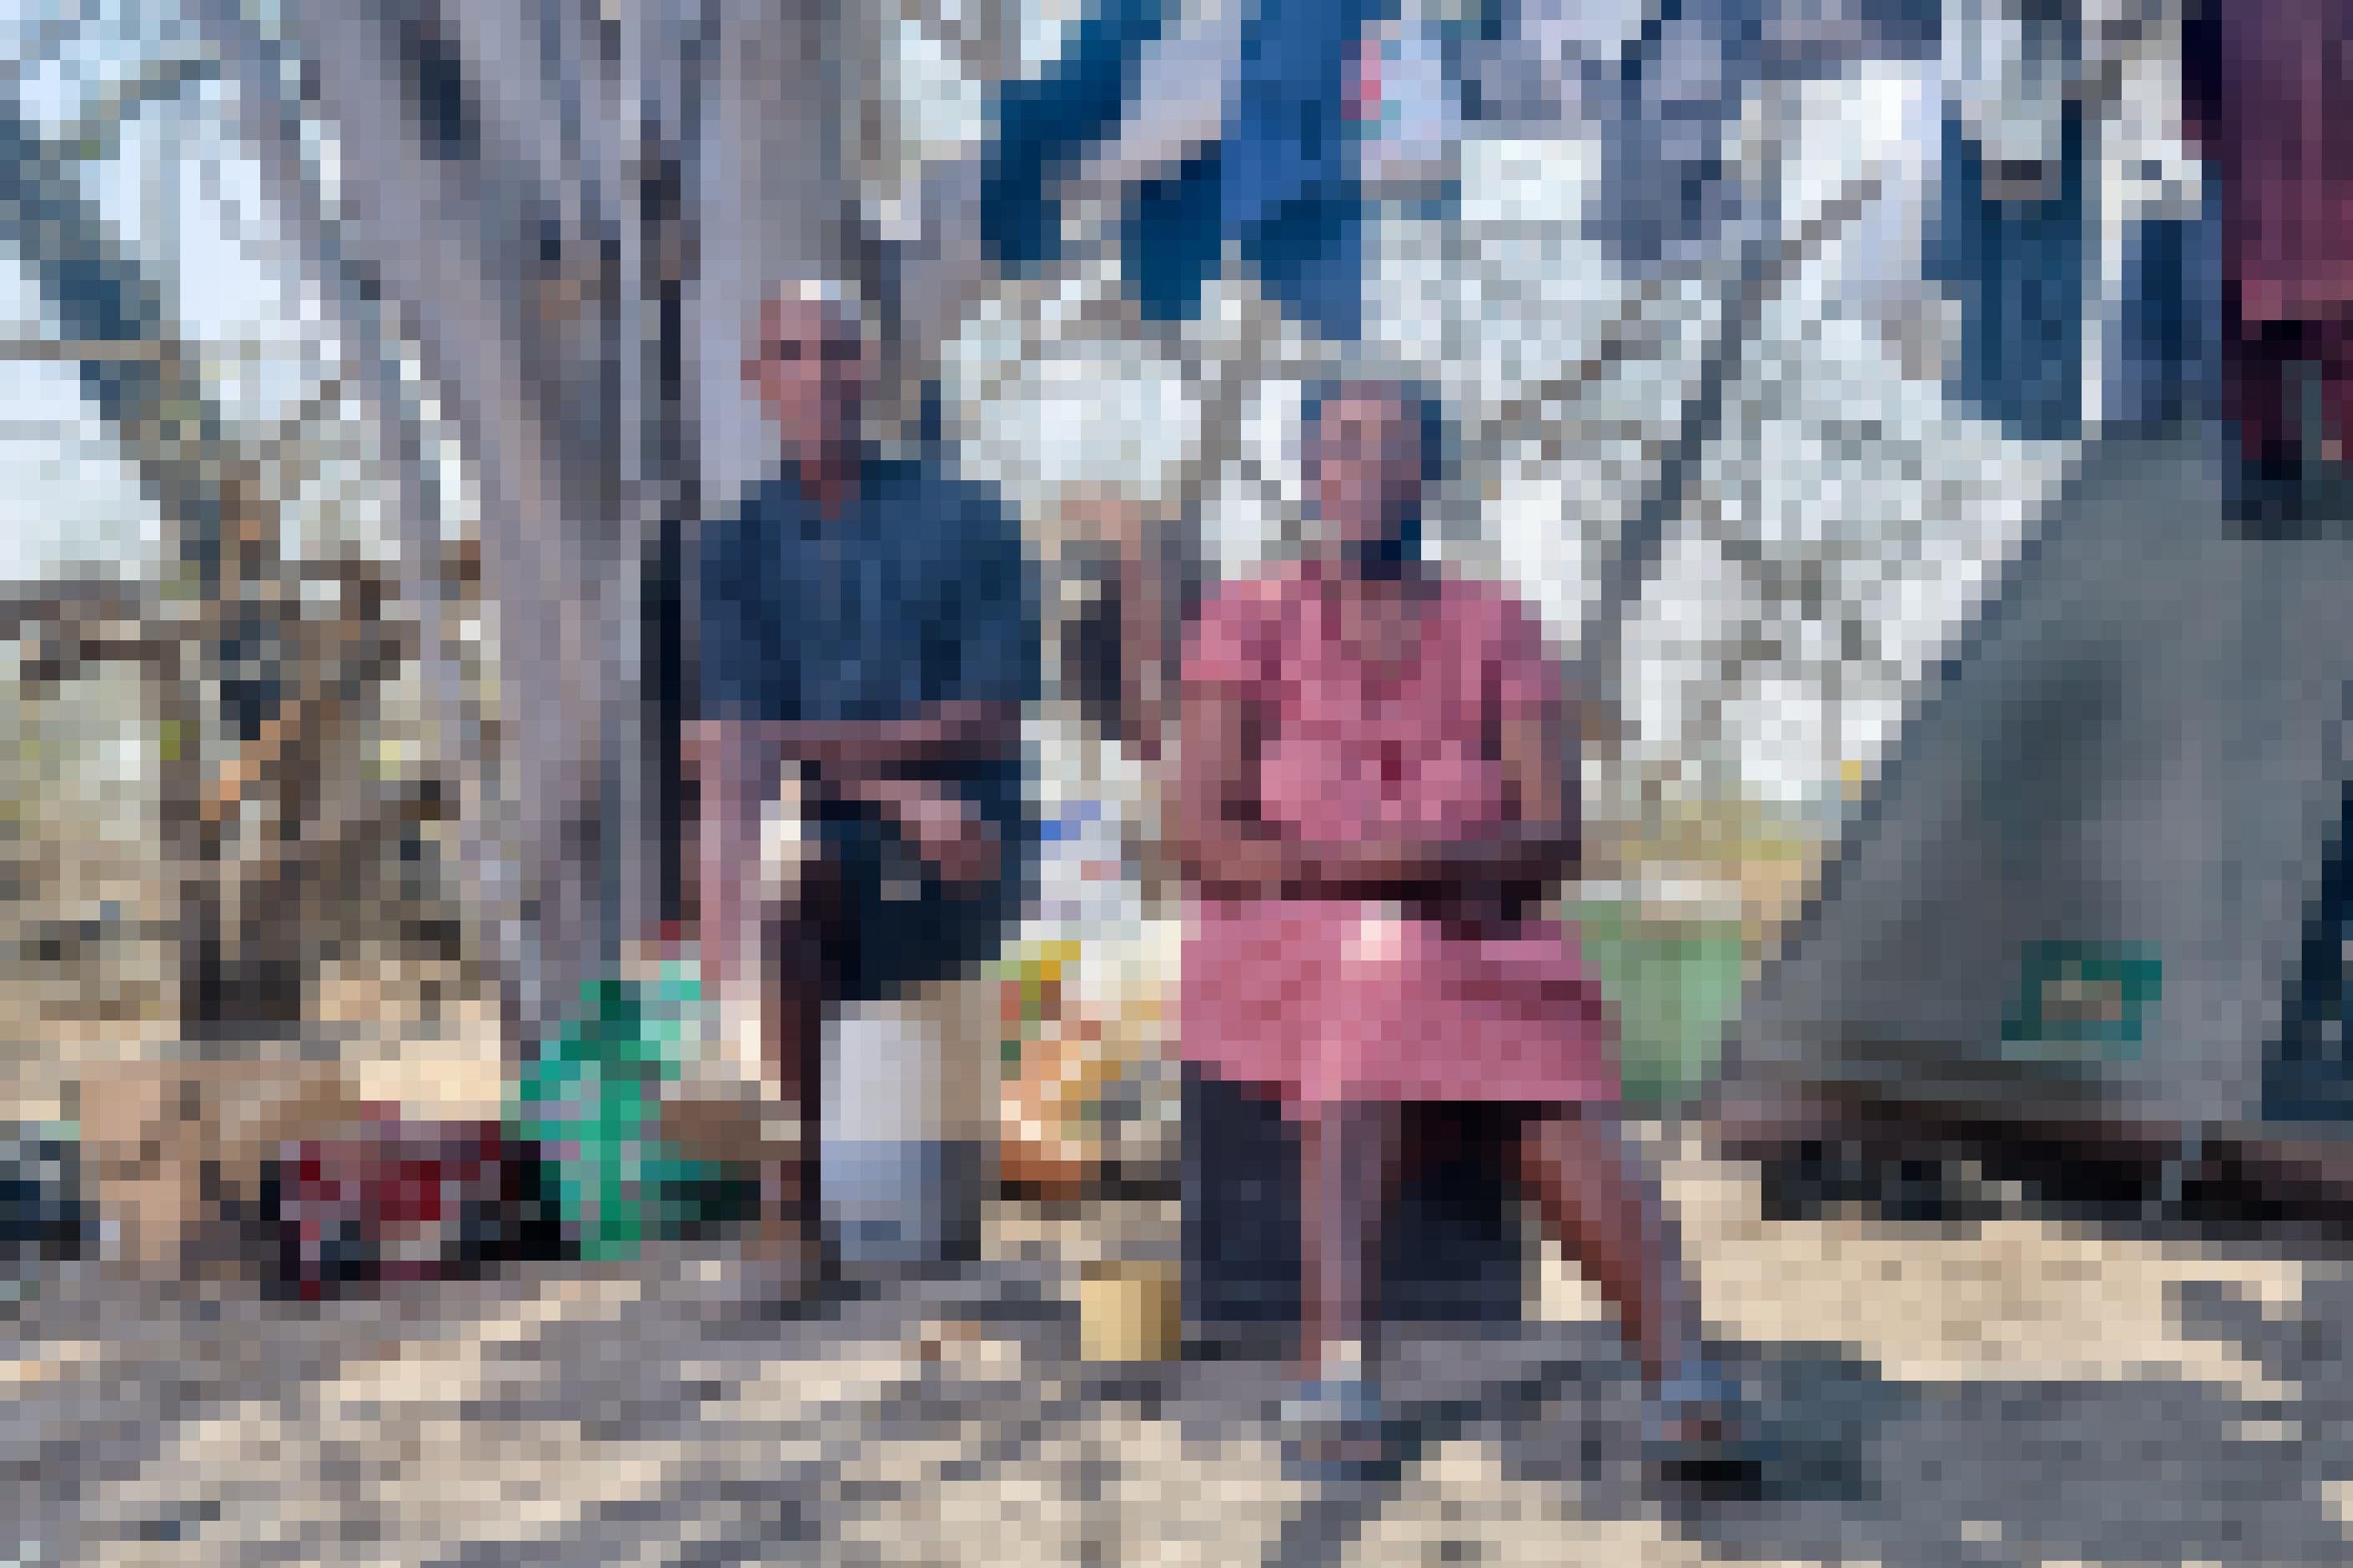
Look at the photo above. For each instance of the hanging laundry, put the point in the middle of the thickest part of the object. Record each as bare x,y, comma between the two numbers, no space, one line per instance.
2011,236
1279,180
2266,102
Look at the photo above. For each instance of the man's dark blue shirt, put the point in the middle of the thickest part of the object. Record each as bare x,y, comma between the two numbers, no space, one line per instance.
922,592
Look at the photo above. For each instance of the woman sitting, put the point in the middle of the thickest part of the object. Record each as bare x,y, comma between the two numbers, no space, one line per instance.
1372,806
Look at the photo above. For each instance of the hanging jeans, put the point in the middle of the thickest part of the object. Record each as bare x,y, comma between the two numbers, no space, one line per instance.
2017,270
2169,349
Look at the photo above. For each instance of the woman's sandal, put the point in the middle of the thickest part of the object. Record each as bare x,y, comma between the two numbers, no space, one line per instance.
1701,1423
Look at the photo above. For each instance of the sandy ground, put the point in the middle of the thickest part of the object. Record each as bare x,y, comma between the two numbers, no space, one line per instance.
2019,1392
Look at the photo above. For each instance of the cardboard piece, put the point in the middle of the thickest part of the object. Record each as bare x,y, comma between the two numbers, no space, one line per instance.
747,1127
166,1144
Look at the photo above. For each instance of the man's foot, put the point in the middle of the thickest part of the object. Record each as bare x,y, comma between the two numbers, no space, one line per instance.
787,1269
1337,1431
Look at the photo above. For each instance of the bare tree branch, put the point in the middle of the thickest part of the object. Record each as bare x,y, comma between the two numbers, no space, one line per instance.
1626,574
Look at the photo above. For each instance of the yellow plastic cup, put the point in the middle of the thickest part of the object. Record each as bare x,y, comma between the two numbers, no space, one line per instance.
1130,1311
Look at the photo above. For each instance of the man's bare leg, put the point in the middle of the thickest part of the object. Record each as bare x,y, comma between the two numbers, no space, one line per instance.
762,961
796,992
730,781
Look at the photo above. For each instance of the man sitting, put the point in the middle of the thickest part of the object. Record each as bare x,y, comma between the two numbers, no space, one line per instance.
868,636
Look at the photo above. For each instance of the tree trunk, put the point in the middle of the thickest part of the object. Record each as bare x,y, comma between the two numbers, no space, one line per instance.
480,182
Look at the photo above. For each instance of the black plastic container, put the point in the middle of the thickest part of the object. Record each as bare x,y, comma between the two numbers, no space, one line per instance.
1453,1250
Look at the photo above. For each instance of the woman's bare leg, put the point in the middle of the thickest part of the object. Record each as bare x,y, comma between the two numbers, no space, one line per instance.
1347,1170
1604,1211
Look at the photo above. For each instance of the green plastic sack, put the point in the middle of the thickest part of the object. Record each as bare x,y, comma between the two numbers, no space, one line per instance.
591,1101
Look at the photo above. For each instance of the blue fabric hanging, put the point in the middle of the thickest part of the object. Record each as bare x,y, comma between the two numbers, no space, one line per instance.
1286,130
1173,238
2017,270
1281,182
1043,125
2169,355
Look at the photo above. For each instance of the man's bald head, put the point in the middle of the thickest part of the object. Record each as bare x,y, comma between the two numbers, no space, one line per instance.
812,366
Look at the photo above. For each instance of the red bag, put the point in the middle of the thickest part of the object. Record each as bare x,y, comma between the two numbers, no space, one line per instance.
387,1199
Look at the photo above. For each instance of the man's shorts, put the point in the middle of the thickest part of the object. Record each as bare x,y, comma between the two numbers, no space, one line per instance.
899,927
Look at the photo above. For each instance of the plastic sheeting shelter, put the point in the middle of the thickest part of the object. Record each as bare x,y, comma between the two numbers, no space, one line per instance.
2082,886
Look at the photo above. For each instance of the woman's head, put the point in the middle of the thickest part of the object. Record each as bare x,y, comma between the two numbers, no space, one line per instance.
1369,448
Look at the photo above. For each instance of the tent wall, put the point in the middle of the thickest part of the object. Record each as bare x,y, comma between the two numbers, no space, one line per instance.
2139,742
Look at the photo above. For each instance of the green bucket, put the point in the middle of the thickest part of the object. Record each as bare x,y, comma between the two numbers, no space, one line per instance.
591,1101
1676,985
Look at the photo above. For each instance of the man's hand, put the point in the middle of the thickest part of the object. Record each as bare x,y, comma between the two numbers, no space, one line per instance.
950,732
854,762
949,832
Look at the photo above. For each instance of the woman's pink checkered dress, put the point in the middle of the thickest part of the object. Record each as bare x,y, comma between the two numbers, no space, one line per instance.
1291,994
